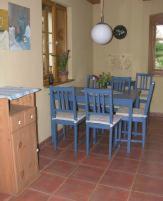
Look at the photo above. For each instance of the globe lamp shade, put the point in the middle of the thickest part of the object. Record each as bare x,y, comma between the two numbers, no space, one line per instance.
101,33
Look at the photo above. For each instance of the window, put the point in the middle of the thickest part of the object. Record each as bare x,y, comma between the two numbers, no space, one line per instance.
54,37
156,44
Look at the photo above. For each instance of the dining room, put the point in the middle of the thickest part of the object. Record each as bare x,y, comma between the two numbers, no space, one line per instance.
85,170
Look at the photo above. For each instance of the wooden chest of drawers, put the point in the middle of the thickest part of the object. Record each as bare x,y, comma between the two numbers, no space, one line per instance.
18,144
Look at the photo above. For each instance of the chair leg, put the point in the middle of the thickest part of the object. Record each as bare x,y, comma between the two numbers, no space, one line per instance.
129,137
125,124
119,131
94,136
144,130
64,132
75,139
116,135
55,135
110,142
52,131
87,140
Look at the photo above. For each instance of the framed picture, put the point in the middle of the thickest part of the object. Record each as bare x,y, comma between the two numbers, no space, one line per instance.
4,36
19,27
3,20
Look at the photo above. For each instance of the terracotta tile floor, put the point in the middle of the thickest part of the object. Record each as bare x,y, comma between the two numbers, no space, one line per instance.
126,177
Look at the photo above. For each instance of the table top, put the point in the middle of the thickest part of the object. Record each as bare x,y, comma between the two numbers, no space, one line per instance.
119,98
12,93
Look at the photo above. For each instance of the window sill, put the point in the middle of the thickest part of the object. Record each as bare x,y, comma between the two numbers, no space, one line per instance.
46,84
158,73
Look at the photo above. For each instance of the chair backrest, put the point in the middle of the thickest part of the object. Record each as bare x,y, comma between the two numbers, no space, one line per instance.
92,81
143,81
63,99
99,102
149,98
121,83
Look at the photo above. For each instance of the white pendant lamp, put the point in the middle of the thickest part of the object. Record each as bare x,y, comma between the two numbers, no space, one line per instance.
101,33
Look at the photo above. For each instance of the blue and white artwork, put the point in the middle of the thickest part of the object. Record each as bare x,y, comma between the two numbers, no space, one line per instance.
19,27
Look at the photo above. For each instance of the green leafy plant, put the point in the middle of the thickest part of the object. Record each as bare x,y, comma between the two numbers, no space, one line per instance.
104,79
63,61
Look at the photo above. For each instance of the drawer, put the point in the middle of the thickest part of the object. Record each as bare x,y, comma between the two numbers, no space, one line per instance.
29,115
17,121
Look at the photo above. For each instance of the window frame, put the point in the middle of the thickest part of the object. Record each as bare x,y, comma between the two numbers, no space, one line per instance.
156,19
45,50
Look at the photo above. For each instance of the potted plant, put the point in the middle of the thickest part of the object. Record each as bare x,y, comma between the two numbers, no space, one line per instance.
62,64
104,80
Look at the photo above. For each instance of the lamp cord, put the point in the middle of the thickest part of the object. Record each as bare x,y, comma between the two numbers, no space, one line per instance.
102,11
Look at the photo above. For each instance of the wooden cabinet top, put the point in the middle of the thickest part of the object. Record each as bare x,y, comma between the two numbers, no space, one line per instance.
12,93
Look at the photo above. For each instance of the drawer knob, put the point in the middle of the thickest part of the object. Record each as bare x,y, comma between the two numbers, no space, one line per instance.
19,122
31,116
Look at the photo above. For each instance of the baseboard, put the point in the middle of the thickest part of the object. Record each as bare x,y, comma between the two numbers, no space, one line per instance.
48,140
45,142
156,114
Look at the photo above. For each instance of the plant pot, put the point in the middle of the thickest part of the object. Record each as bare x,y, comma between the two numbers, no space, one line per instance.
63,76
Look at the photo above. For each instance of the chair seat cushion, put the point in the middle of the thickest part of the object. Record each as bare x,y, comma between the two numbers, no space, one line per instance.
137,112
69,116
103,119
143,97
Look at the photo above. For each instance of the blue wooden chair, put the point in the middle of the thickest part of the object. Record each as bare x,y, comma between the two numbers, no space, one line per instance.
139,116
92,81
121,84
63,108
99,114
143,82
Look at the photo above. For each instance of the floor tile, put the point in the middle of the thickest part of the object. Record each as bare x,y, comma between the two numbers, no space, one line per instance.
154,146
148,185
61,168
117,179
103,193
48,151
44,162
47,183
68,155
3,196
76,190
97,161
64,144
135,153
135,196
30,195
123,164
81,145
151,168
101,149
153,156
155,137
87,173
55,198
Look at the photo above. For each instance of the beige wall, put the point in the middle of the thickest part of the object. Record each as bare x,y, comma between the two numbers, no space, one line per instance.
24,68
130,55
